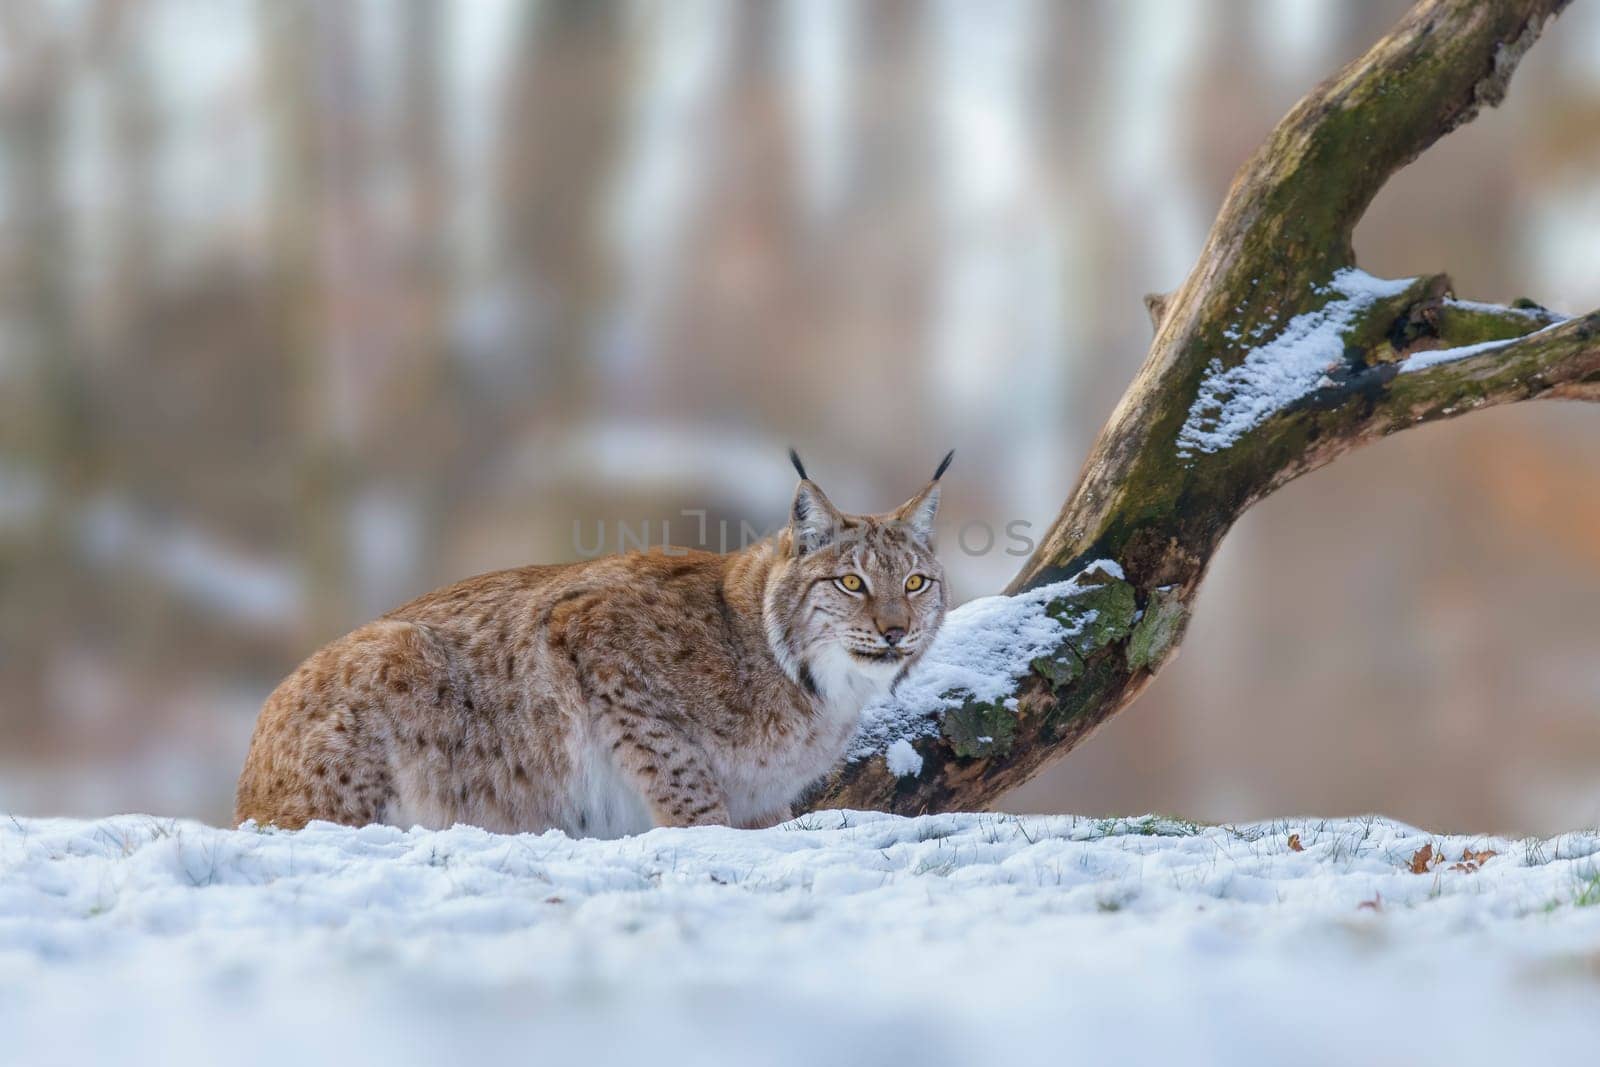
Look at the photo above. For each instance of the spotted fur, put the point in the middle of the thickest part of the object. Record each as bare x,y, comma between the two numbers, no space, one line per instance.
604,697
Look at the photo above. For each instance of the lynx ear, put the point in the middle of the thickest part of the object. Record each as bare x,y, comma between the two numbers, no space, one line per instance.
918,513
813,520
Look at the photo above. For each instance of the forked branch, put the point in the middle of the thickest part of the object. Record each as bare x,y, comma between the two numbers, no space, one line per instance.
1273,358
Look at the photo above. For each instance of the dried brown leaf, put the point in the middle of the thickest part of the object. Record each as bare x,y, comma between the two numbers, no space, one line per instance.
1472,862
1294,843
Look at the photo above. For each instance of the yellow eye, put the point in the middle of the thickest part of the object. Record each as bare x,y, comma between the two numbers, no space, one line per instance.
851,583
915,582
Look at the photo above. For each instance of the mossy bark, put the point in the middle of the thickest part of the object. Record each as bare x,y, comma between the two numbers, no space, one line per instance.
1282,234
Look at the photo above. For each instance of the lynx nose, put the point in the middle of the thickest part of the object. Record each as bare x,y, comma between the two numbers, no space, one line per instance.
893,635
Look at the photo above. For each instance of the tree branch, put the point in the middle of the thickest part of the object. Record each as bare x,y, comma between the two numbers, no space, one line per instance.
1272,359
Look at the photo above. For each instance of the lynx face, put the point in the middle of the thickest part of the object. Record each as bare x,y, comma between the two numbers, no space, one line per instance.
860,597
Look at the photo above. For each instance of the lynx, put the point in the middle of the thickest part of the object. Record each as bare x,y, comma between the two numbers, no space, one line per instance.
605,697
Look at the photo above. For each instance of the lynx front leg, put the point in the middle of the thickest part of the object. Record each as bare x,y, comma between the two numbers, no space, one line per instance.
667,769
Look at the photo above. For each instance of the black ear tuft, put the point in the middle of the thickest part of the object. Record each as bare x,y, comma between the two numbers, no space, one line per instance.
944,464
794,457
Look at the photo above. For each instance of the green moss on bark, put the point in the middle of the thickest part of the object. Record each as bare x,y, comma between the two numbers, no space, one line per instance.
1460,325
980,728
1098,614
1101,676
1060,668
1159,629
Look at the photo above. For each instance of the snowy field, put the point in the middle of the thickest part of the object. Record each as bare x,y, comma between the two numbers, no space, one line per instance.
839,938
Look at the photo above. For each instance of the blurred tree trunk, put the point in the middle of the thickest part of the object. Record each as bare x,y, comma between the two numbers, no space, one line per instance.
426,289
1167,478
47,428
295,60
134,126
566,117
55,431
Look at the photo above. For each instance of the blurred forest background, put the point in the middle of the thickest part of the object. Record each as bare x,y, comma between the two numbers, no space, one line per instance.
308,307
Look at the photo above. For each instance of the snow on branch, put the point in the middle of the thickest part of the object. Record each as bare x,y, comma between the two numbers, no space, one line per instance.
1288,365
1435,356
981,651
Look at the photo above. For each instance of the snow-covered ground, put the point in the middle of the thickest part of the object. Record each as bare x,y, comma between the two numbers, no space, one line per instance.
840,938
